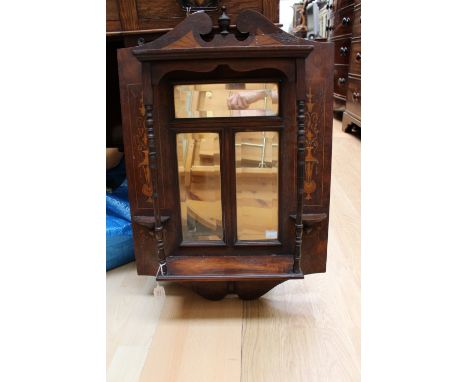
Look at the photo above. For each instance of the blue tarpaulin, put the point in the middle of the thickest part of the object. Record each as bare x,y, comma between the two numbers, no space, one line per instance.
119,238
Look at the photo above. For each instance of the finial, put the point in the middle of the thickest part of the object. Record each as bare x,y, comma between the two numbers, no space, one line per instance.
224,22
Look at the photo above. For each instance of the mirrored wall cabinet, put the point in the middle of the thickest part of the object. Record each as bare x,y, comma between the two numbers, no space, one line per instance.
227,134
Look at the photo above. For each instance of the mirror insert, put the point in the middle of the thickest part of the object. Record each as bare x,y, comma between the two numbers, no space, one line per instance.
225,100
199,186
257,185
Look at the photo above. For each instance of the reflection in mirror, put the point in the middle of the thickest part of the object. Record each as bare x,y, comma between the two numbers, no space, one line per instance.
257,185
200,186
226,100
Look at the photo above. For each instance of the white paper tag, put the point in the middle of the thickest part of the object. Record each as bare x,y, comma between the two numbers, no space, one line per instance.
271,234
159,291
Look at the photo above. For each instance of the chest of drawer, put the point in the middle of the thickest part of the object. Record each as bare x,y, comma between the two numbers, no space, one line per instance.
340,80
357,21
355,58
353,96
342,50
342,22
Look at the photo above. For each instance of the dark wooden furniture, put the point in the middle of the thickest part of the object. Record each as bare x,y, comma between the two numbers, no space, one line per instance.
131,21
126,17
202,185
352,114
340,28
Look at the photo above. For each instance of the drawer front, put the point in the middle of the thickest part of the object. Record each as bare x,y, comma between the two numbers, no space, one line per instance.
341,80
338,4
355,58
342,22
357,21
342,50
353,96
339,104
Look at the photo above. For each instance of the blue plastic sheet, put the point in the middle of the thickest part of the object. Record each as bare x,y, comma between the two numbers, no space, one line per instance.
119,239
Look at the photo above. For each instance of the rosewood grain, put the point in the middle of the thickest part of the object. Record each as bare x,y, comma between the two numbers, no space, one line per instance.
231,265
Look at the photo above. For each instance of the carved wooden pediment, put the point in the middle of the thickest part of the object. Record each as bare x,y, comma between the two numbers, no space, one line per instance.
254,35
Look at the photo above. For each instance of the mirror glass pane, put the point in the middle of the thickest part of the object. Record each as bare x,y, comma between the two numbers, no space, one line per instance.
257,185
200,186
226,100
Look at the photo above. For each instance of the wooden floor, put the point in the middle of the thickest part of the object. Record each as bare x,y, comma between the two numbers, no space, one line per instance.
302,330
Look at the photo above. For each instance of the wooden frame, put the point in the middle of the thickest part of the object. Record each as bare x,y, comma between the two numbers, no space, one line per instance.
226,127
256,51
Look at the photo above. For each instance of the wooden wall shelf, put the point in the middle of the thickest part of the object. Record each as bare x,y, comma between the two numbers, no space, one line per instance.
206,210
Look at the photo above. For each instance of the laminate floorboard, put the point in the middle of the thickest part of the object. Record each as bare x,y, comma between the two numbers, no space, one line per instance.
302,330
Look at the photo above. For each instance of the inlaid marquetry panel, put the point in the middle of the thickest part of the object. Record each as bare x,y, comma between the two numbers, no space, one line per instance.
317,132
143,189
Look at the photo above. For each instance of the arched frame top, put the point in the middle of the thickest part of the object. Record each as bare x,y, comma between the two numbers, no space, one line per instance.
284,66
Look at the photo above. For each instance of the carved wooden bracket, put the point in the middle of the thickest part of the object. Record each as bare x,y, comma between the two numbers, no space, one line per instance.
310,220
149,221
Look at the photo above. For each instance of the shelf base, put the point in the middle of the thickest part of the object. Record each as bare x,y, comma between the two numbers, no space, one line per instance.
231,277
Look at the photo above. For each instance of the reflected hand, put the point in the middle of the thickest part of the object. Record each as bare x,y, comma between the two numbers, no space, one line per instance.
241,101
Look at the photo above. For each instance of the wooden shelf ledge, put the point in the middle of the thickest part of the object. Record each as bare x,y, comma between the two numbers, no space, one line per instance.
231,277
229,268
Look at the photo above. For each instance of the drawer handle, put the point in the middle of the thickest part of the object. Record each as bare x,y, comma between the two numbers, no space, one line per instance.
346,20
358,56
343,51
356,96
341,80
